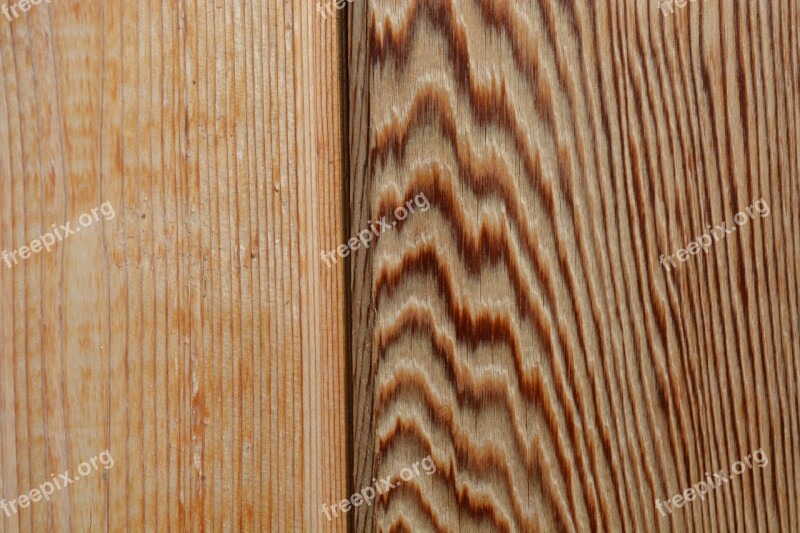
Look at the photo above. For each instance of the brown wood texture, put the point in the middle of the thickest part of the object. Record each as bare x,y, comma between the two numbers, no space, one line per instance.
522,331
194,335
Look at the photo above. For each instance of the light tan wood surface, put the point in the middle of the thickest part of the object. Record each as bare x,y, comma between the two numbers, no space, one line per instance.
195,335
520,329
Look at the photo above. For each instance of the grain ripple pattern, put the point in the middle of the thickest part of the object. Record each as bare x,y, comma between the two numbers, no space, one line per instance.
521,331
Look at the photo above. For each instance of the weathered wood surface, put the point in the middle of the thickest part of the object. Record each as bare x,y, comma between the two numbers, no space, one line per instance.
522,331
194,335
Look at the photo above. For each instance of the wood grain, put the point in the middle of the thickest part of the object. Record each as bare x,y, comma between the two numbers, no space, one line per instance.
522,331
196,335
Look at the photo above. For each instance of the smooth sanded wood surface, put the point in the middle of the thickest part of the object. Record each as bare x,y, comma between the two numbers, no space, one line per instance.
522,331
195,335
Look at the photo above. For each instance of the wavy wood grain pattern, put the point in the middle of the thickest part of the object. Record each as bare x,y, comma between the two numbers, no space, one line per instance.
196,335
522,331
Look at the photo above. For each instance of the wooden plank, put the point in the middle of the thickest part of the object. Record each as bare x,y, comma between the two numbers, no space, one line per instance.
195,334
521,331
361,272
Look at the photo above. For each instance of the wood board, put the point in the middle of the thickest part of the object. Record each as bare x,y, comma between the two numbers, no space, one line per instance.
522,331
193,334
